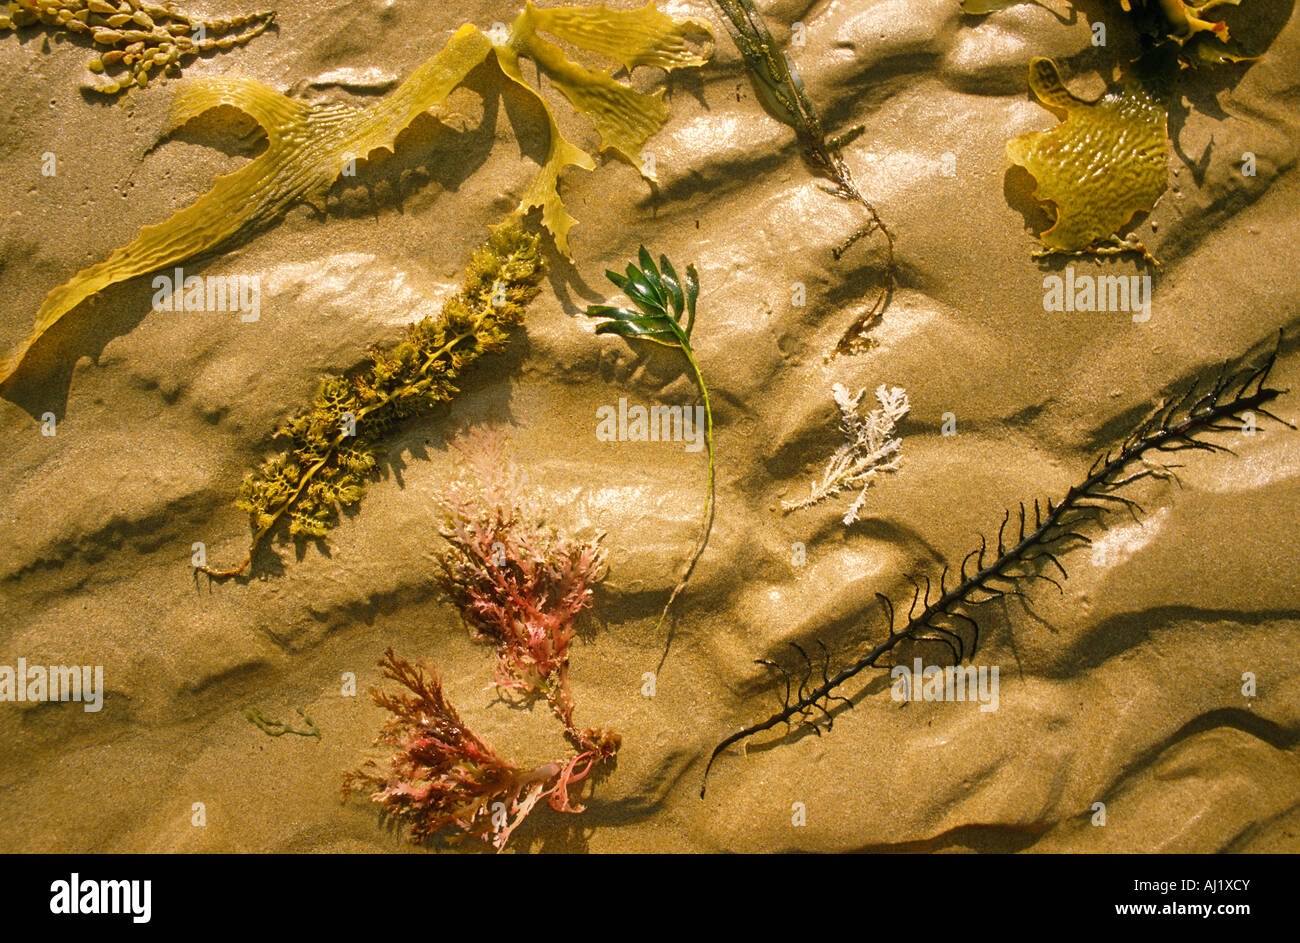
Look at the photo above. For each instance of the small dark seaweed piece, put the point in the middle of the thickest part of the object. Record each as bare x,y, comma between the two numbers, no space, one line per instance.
278,728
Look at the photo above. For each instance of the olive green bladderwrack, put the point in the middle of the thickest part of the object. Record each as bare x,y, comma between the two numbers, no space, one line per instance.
144,38
782,92
336,443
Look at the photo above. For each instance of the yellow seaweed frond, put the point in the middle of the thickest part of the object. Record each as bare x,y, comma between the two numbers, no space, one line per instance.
1199,41
630,37
1104,163
544,192
624,118
309,145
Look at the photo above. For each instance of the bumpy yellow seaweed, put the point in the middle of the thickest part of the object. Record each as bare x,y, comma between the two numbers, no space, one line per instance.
1104,163
309,145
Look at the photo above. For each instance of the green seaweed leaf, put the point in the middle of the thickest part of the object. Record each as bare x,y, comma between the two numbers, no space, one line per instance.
309,145
661,299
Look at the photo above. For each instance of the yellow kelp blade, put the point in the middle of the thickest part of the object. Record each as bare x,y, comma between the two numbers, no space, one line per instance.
624,118
1103,164
629,37
307,147
544,192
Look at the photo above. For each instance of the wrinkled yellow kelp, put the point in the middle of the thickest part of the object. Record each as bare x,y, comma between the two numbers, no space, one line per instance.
309,145
1104,163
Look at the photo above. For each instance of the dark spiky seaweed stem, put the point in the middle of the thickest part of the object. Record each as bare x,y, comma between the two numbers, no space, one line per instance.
336,444
940,614
783,92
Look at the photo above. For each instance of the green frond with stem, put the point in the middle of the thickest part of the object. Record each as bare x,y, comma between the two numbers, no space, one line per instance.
663,313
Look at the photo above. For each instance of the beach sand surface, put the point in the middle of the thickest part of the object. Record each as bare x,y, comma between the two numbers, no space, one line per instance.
1126,689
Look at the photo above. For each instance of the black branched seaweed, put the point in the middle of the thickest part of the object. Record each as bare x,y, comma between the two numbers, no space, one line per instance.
1030,542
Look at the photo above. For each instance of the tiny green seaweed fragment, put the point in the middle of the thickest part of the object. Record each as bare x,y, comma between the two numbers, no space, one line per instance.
141,36
661,299
309,145
278,728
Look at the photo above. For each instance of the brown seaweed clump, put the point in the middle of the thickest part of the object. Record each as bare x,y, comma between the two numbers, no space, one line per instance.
336,443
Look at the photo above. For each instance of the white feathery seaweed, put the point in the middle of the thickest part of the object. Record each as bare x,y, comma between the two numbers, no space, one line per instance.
870,447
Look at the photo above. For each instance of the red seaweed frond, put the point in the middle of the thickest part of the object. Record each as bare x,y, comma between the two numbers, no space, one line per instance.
441,775
519,583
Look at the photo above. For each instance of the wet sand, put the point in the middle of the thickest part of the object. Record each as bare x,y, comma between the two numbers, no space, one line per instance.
1126,689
